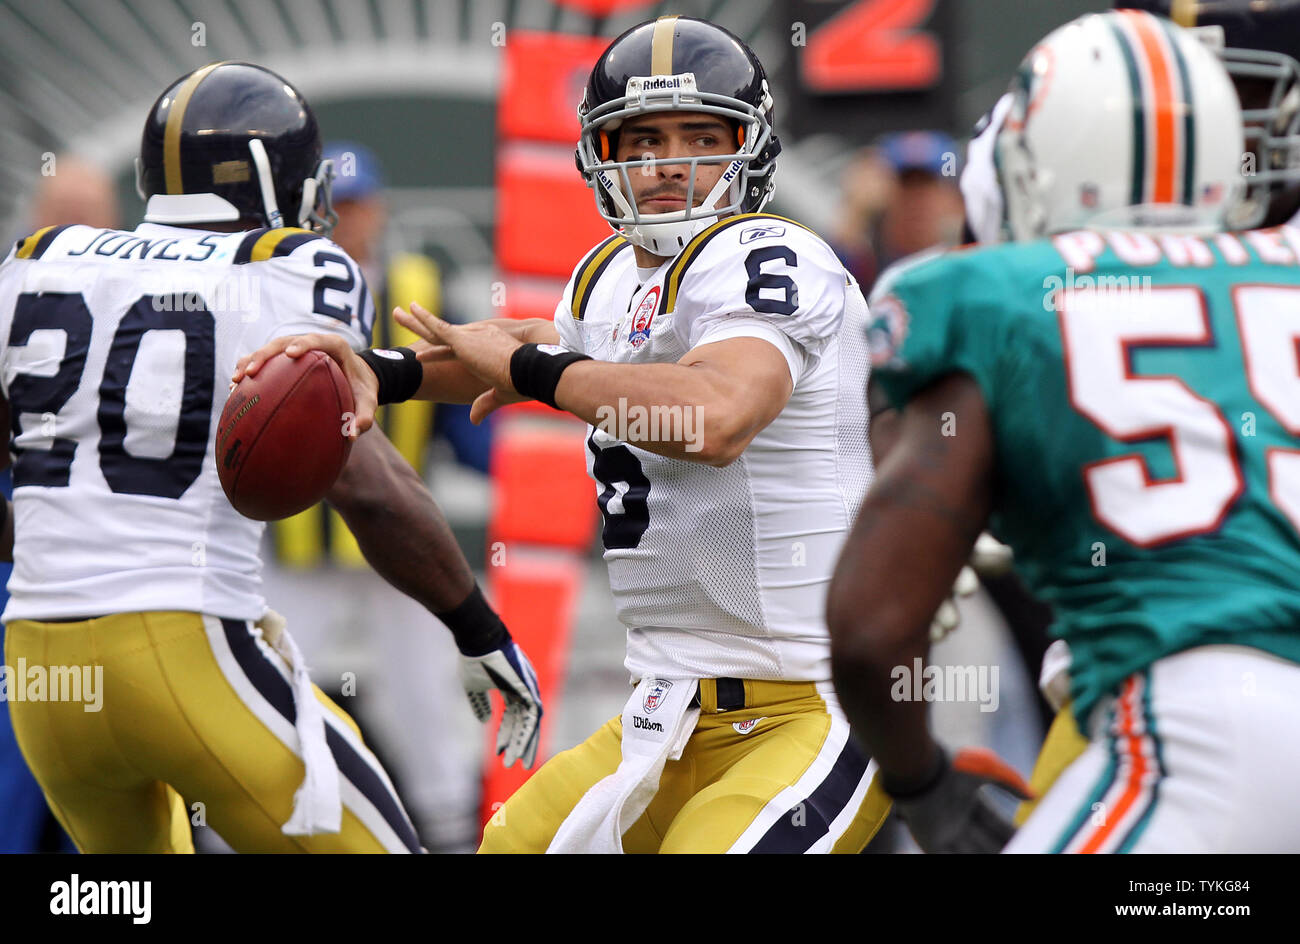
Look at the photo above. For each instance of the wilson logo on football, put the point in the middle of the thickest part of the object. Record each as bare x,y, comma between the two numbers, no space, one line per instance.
656,695
645,313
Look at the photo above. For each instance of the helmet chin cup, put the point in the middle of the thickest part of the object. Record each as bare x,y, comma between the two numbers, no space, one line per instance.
666,234
665,239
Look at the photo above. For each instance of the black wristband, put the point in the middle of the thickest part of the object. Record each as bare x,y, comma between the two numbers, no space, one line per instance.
398,371
535,370
475,625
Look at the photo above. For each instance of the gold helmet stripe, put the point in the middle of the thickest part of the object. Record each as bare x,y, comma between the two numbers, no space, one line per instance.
661,46
172,134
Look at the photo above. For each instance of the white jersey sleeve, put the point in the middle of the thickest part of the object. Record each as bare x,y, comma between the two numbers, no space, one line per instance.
565,325
588,277
763,277
315,286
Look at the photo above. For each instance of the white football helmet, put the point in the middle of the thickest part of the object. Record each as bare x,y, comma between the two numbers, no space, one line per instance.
1121,120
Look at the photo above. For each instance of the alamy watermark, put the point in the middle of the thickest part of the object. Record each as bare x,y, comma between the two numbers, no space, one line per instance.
920,682
24,682
637,423
76,896
1108,291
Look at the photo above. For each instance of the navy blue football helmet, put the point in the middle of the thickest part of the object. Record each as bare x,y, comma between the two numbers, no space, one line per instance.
234,142
677,63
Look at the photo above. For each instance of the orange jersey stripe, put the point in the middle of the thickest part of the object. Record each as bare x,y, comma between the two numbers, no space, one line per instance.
1137,771
1164,116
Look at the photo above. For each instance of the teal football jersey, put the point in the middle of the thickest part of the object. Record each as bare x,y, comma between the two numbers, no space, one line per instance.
1144,395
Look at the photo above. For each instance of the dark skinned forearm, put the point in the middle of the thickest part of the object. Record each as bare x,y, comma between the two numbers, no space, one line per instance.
398,526
913,534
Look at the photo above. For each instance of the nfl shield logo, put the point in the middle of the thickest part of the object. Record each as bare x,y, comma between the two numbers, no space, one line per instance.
645,313
656,695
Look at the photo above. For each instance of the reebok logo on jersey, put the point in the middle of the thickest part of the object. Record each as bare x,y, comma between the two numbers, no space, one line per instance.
645,724
751,233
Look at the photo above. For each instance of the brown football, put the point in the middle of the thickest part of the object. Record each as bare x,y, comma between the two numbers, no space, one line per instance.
281,441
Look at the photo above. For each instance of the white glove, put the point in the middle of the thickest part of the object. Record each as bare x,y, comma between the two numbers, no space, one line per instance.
508,671
1054,679
989,558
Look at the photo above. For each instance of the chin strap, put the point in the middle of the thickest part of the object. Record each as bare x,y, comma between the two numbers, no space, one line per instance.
274,218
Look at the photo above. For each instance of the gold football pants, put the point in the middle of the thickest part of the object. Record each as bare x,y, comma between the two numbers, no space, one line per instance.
1060,749
781,774
191,707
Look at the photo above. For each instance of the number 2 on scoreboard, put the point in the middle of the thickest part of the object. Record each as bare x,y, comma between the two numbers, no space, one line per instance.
873,45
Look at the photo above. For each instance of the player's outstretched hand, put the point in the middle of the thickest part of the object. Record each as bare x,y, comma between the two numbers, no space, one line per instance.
484,347
507,670
365,386
956,813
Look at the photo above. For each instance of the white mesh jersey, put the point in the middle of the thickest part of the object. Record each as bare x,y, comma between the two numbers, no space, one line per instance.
723,572
116,350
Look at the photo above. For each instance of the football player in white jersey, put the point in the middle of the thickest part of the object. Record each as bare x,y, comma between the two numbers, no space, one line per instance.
136,585
717,354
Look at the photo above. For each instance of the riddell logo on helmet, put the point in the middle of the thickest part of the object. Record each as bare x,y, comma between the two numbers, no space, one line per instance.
639,84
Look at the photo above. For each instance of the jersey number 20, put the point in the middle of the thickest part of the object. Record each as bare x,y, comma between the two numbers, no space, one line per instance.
44,394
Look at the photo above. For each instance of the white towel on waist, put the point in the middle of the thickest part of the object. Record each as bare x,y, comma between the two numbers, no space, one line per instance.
317,805
658,720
